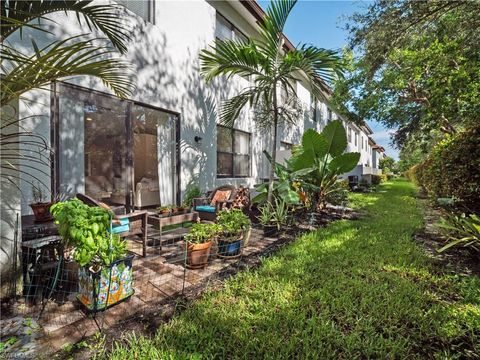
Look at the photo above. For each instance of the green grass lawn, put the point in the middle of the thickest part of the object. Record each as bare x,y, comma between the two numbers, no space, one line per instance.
355,289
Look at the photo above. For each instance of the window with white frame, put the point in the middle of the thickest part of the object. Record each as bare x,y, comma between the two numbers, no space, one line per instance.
349,134
313,108
225,30
286,145
233,152
356,139
329,114
145,8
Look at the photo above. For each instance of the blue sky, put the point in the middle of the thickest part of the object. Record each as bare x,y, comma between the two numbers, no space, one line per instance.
321,23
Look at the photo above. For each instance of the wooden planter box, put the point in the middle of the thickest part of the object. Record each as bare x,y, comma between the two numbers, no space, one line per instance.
107,287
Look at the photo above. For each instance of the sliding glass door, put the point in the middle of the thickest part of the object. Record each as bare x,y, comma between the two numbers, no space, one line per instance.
114,151
153,157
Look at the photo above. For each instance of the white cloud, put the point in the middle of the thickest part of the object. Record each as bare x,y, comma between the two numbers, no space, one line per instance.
383,135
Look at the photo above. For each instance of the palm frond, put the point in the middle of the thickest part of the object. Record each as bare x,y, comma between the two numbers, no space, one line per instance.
231,57
278,12
17,13
321,66
272,27
63,59
232,107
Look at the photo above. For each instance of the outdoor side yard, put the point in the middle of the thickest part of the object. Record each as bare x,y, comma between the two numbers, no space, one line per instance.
354,289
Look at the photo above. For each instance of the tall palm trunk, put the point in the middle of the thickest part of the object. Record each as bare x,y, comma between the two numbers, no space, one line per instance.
274,147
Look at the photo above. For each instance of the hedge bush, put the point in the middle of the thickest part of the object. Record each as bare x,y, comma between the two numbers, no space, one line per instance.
452,169
377,179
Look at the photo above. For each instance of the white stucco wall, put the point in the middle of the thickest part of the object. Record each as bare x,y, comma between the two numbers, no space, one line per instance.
165,58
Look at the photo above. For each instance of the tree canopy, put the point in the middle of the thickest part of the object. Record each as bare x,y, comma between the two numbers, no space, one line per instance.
418,69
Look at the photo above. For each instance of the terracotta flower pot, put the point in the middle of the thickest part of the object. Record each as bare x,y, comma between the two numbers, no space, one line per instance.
197,254
164,213
41,211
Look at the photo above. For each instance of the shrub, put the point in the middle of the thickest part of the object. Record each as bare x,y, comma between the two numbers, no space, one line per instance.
452,169
378,179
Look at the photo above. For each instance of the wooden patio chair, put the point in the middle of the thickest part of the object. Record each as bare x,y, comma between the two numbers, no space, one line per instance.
126,224
219,199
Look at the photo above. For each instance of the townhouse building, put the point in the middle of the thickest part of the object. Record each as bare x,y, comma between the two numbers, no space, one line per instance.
143,151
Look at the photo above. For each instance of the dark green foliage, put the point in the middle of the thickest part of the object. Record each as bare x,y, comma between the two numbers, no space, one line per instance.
452,169
85,229
339,197
192,191
417,69
376,180
282,187
320,160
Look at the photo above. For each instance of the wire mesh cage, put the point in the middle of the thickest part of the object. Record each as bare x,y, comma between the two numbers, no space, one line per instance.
68,302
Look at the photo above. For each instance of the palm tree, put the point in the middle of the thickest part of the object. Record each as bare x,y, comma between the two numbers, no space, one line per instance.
21,71
273,67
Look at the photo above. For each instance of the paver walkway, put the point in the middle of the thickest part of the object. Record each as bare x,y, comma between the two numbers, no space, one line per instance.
156,278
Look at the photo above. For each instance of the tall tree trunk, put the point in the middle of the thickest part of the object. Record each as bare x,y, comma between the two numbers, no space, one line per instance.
274,148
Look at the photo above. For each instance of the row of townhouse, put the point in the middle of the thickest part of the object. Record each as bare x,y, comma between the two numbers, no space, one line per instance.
145,150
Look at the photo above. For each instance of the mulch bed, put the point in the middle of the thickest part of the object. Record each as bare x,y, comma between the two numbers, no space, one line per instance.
462,261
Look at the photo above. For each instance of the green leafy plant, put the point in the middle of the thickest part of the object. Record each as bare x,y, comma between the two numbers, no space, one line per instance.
86,230
191,192
282,185
462,230
233,223
165,209
280,213
202,232
266,214
320,160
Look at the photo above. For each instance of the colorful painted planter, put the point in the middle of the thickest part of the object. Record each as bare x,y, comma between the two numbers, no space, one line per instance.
107,287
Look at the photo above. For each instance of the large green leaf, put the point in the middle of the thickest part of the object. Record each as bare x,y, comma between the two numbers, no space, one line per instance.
306,159
336,137
344,163
313,140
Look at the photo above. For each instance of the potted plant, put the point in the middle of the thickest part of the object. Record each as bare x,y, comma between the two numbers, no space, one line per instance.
234,225
105,266
40,206
164,211
280,214
273,217
198,243
266,220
